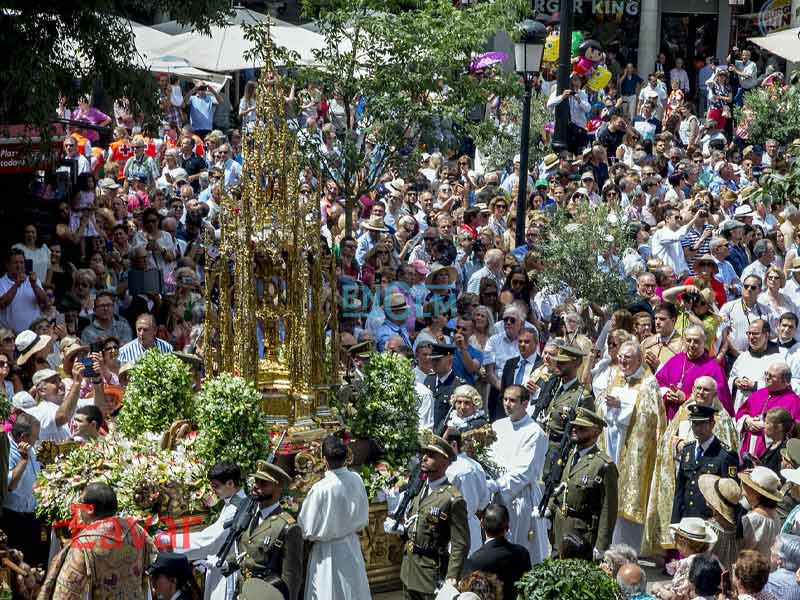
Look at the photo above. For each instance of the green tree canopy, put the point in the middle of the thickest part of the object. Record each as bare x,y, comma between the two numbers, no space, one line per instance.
53,47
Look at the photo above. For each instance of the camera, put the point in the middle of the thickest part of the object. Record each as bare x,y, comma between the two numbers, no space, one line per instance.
692,298
88,368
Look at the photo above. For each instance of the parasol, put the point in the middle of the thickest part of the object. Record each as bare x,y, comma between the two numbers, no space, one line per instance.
486,60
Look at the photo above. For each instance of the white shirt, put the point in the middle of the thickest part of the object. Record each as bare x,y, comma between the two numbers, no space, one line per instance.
681,76
50,431
579,106
792,290
738,317
498,350
425,404
666,245
23,309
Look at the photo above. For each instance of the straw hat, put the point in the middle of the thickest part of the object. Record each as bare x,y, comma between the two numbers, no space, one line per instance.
376,224
763,481
71,349
695,529
790,475
721,493
436,268
28,344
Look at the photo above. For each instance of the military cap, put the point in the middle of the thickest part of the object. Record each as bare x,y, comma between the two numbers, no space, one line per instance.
431,442
586,418
361,350
269,472
791,452
442,350
700,412
171,564
190,359
568,352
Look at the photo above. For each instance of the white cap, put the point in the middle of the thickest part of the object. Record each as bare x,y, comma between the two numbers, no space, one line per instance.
517,158
23,401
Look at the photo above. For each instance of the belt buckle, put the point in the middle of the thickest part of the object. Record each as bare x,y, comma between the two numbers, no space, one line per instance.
410,547
564,511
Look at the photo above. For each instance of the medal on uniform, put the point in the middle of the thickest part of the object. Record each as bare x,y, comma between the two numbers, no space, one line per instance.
732,471
585,479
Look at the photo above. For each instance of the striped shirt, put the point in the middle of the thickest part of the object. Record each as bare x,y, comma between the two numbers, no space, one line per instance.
133,350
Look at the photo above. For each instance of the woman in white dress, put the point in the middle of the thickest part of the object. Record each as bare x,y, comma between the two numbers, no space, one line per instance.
38,255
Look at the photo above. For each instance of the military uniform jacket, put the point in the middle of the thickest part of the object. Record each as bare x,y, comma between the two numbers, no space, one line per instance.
716,460
434,523
274,550
573,396
588,504
441,393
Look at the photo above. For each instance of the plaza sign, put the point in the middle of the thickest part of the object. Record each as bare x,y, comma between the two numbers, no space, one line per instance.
594,7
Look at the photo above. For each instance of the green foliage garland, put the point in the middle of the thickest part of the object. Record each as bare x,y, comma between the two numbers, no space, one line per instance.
567,580
384,407
232,422
159,393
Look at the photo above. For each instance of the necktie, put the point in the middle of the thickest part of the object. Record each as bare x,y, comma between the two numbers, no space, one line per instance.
575,458
520,371
698,453
424,493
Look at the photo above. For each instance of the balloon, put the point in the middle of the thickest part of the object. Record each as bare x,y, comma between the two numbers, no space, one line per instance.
599,79
551,47
577,40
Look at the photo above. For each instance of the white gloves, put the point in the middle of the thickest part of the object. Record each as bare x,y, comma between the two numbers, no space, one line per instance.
389,527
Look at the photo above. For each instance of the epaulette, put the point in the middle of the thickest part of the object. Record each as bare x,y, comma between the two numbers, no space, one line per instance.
290,520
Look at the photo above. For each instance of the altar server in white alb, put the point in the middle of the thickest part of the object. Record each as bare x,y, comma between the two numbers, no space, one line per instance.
469,478
520,449
226,480
335,509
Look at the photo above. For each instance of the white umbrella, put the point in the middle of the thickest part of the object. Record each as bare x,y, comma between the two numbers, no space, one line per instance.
225,48
785,44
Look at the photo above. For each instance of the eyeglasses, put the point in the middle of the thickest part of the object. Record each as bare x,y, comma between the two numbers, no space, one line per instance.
4,364
111,349
503,206
754,333
751,287
509,320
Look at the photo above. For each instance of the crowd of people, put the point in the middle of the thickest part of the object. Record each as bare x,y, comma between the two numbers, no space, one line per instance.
663,427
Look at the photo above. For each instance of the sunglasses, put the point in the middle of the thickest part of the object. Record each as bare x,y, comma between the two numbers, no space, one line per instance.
509,320
752,287
111,349
4,364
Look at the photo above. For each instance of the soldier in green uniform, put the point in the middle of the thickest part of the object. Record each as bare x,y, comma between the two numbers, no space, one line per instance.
358,355
586,500
272,545
435,531
569,394
790,459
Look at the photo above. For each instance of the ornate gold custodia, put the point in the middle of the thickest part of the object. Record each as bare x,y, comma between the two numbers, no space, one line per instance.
266,275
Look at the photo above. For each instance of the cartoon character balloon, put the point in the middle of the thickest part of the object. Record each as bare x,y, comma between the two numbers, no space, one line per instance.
590,54
551,49
599,79
577,40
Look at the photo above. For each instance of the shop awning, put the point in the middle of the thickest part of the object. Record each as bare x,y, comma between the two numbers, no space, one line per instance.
785,44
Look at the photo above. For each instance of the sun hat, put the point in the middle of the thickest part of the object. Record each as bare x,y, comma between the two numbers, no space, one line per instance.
436,268
791,475
375,224
76,346
551,161
763,481
28,343
721,493
744,210
694,529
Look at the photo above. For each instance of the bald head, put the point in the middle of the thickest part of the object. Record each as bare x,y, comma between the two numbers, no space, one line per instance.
631,580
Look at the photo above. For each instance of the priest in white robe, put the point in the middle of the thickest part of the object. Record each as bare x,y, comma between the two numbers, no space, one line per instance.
469,478
335,509
225,478
520,449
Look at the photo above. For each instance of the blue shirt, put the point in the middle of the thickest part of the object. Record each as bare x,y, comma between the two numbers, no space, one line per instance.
628,85
21,498
738,258
201,112
727,275
387,330
458,364
782,584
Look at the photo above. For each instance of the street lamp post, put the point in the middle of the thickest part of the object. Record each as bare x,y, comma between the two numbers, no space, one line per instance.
564,69
528,53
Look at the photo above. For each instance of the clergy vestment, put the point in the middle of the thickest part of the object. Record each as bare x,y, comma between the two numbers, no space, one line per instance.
520,448
756,406
681,371
631,440
469,478
657,535
204,545
753,365
335,509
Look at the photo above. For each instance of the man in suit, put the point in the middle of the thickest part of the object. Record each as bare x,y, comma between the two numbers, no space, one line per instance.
497,555
273,544
443,380
704,455
435,529
586,500
519,370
